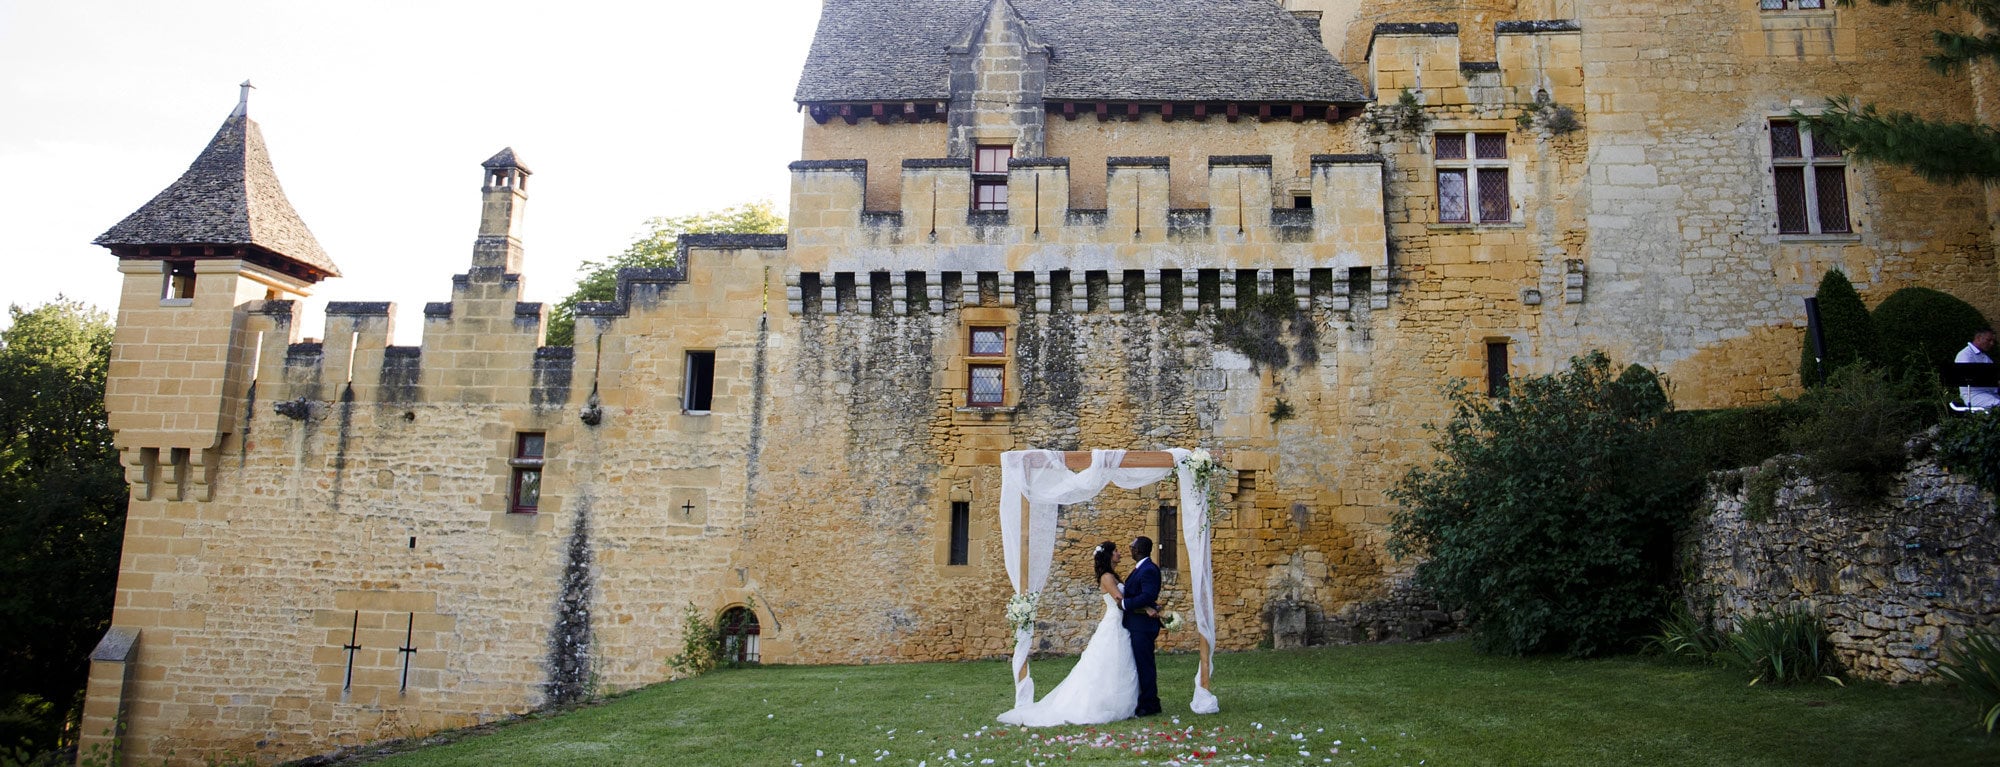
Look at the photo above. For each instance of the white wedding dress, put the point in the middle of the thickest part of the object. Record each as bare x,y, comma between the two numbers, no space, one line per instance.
1103,687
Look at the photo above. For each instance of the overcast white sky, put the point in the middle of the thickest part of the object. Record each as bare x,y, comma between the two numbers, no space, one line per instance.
377,114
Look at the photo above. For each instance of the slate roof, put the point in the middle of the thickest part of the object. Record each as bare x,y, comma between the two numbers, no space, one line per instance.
229,197
1139,50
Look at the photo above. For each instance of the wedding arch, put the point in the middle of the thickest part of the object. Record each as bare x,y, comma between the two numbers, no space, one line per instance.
1035,483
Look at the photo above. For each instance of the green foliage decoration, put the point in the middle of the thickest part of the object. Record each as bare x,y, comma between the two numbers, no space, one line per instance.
1550,515
1973,664
1848,330
655,249
1852,431
62,510
1921,330
1969,446
1784,647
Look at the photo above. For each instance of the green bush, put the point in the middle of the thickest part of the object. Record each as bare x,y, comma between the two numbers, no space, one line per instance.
1974,665
1737,437
1782,648
701,645
1969,445
1549,515
1844,323
1851,432
1920,330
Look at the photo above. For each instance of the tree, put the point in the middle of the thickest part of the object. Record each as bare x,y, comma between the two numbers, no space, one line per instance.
62,509
1846,327
655,249
1550,514
1944,151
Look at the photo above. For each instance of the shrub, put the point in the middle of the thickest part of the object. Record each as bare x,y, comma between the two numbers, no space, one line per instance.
701,645
1970,446
1737,437
1782,648
1920,330
1851,432
1974,665
1845,325
1549,515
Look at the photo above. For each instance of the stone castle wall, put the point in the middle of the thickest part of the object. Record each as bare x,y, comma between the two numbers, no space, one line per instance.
1896,580
354,492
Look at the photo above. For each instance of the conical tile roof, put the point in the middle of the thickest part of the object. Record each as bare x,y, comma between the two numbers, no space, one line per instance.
229,197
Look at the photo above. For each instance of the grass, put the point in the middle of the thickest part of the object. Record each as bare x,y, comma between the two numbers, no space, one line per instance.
1426,704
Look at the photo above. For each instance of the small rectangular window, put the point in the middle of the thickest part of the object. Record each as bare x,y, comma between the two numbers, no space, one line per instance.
525,490
989,177
988,387
992,159
180,280
961,532
1496,368
989,342
1166,552
698,393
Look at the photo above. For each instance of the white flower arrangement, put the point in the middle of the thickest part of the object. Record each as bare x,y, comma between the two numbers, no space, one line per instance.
1207,472
1021,610
1173,621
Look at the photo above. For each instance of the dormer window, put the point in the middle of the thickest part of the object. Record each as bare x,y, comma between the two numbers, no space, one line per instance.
989,177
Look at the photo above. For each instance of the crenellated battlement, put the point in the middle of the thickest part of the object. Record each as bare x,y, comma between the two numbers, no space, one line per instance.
937,227
1535,62
885,293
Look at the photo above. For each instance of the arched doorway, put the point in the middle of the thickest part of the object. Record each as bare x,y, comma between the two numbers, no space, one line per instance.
739,630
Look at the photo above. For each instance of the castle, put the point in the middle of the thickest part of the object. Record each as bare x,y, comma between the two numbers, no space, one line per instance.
1276,230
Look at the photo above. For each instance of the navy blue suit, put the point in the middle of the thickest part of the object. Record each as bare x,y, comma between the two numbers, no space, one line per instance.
1142,591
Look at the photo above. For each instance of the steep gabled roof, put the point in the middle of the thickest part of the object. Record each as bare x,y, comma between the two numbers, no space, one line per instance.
229,197
1104,50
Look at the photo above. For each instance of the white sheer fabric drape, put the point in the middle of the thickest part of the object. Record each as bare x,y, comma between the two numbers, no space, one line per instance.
1201,579
1040,479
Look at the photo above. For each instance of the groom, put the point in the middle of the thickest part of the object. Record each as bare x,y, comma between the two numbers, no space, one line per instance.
1142,621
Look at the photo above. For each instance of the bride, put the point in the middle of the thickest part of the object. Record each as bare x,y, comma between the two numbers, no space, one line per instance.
1104,685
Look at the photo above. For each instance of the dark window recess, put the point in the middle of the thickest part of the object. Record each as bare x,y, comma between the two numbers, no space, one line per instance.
961,533
1166,553
525,493
699,391
1496,368
1302,202
180,280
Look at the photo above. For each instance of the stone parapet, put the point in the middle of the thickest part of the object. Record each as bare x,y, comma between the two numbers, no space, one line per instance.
1896,579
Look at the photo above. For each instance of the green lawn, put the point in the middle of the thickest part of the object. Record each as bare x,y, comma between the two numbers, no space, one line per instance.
1426,704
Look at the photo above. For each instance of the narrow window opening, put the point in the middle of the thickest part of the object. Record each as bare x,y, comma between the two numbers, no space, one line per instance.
1302,201
699,392
1167,553
525,489
961,533
1496,368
